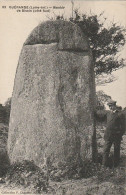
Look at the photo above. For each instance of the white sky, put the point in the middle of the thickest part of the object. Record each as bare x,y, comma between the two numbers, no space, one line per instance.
15,27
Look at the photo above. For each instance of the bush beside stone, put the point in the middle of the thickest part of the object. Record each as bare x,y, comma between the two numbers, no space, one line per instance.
27,174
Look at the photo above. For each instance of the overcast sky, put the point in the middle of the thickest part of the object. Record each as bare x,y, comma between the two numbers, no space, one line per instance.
15,27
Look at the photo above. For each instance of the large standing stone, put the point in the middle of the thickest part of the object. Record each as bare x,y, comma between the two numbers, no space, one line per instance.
53,97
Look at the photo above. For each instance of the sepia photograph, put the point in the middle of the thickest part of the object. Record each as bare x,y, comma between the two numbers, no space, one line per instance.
62,97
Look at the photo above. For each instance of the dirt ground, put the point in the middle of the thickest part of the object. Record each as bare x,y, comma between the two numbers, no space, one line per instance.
71,187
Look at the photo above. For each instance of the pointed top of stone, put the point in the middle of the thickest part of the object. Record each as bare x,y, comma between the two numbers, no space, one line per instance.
68,35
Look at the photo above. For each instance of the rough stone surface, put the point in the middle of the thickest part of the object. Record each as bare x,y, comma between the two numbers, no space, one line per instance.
67,35
53,98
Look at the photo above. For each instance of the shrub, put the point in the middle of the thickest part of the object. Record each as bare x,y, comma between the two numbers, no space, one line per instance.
4,160
26,173
4,163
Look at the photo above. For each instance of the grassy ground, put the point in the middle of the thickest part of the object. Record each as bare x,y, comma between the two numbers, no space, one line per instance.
102,181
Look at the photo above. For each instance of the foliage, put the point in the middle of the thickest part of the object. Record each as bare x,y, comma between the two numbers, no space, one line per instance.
7,107
102,98
103,79
2,114
4,160
5,111
105,42
26,173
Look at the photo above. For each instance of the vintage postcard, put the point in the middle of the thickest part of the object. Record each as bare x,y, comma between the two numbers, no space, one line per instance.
62,97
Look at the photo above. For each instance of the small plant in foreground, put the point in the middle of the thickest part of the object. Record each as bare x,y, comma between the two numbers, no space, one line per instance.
26,173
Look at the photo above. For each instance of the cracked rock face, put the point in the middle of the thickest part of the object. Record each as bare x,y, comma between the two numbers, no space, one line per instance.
53,98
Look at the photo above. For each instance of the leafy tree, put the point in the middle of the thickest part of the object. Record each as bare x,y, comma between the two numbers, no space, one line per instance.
102,99
103,79
5,111
7,107
105,42
2,114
